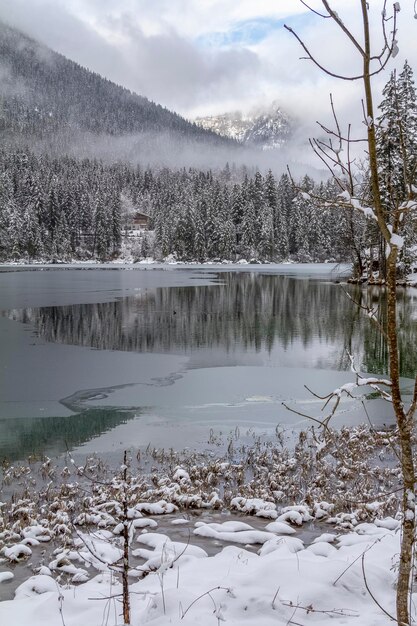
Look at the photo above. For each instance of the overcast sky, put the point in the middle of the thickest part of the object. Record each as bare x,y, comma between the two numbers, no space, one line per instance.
201,57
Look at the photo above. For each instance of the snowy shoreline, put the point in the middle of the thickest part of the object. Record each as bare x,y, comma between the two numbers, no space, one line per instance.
336,271
150,263
77,509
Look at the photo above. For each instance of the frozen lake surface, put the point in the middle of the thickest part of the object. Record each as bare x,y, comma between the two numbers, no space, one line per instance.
101,359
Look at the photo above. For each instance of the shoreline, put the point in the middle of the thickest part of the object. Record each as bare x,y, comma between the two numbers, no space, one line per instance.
61,522
348,478
172,264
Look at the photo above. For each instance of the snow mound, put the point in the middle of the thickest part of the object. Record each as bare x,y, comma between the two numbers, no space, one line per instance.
4,576
233,531
282,584
280,528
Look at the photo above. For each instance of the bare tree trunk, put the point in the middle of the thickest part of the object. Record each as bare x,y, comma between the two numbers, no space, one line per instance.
404,422
125,568
389,224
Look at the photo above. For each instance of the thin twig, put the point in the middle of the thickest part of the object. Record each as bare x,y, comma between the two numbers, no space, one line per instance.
370,592
202,596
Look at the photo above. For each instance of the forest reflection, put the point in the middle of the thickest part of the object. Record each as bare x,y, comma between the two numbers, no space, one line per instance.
245,311
32,436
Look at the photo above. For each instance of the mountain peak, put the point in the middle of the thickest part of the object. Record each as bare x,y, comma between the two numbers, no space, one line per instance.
265,127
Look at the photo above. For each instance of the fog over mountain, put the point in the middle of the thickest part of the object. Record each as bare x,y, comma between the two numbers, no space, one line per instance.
53,105
43,94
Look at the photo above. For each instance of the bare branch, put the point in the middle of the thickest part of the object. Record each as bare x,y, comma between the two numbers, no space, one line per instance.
392,618
341,25
207,593
357,559
329,612
370,312
317,151
314,11
341,137
387,50
413,405
323,423
310,57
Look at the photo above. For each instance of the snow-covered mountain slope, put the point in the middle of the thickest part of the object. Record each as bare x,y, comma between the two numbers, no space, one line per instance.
265,128
45,95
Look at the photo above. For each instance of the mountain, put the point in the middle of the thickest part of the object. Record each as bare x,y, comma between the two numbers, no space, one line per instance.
48,98
264,128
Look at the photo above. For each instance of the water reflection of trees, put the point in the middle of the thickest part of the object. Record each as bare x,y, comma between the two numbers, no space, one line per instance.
53,435
246,310
375,354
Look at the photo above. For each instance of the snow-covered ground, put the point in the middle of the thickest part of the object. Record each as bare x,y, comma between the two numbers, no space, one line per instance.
189,563
266,578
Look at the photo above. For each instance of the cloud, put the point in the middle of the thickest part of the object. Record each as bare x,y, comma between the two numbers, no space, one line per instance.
165,66
212,56
303,89
174,71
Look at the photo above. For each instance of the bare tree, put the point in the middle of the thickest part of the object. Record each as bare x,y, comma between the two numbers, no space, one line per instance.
389,223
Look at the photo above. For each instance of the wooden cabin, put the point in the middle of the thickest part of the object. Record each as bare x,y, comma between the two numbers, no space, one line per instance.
140,221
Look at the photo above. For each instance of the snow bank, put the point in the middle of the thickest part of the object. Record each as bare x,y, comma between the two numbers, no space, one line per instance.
284,583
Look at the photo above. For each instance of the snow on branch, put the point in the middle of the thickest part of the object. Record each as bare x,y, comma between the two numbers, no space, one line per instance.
332,400
356,204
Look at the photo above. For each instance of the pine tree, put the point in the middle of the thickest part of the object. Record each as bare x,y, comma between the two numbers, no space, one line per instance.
397,150
266,241
408,112
200,235
256,195
300,218
281,218
31,239
101,227
389,146
116,222
16,229
6,200
185,233
248,244
52,215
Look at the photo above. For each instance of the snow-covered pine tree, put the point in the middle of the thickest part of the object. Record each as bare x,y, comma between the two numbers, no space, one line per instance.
200,235
52,214
266,240
6,204
256,195
101,227
285,196
300,217
31,236
408,114
397,149
16,229
248,244
116,221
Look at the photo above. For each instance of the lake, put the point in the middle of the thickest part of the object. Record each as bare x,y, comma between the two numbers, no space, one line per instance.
104,358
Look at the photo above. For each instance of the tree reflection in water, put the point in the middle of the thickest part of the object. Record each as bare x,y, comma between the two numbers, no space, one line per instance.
246,311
